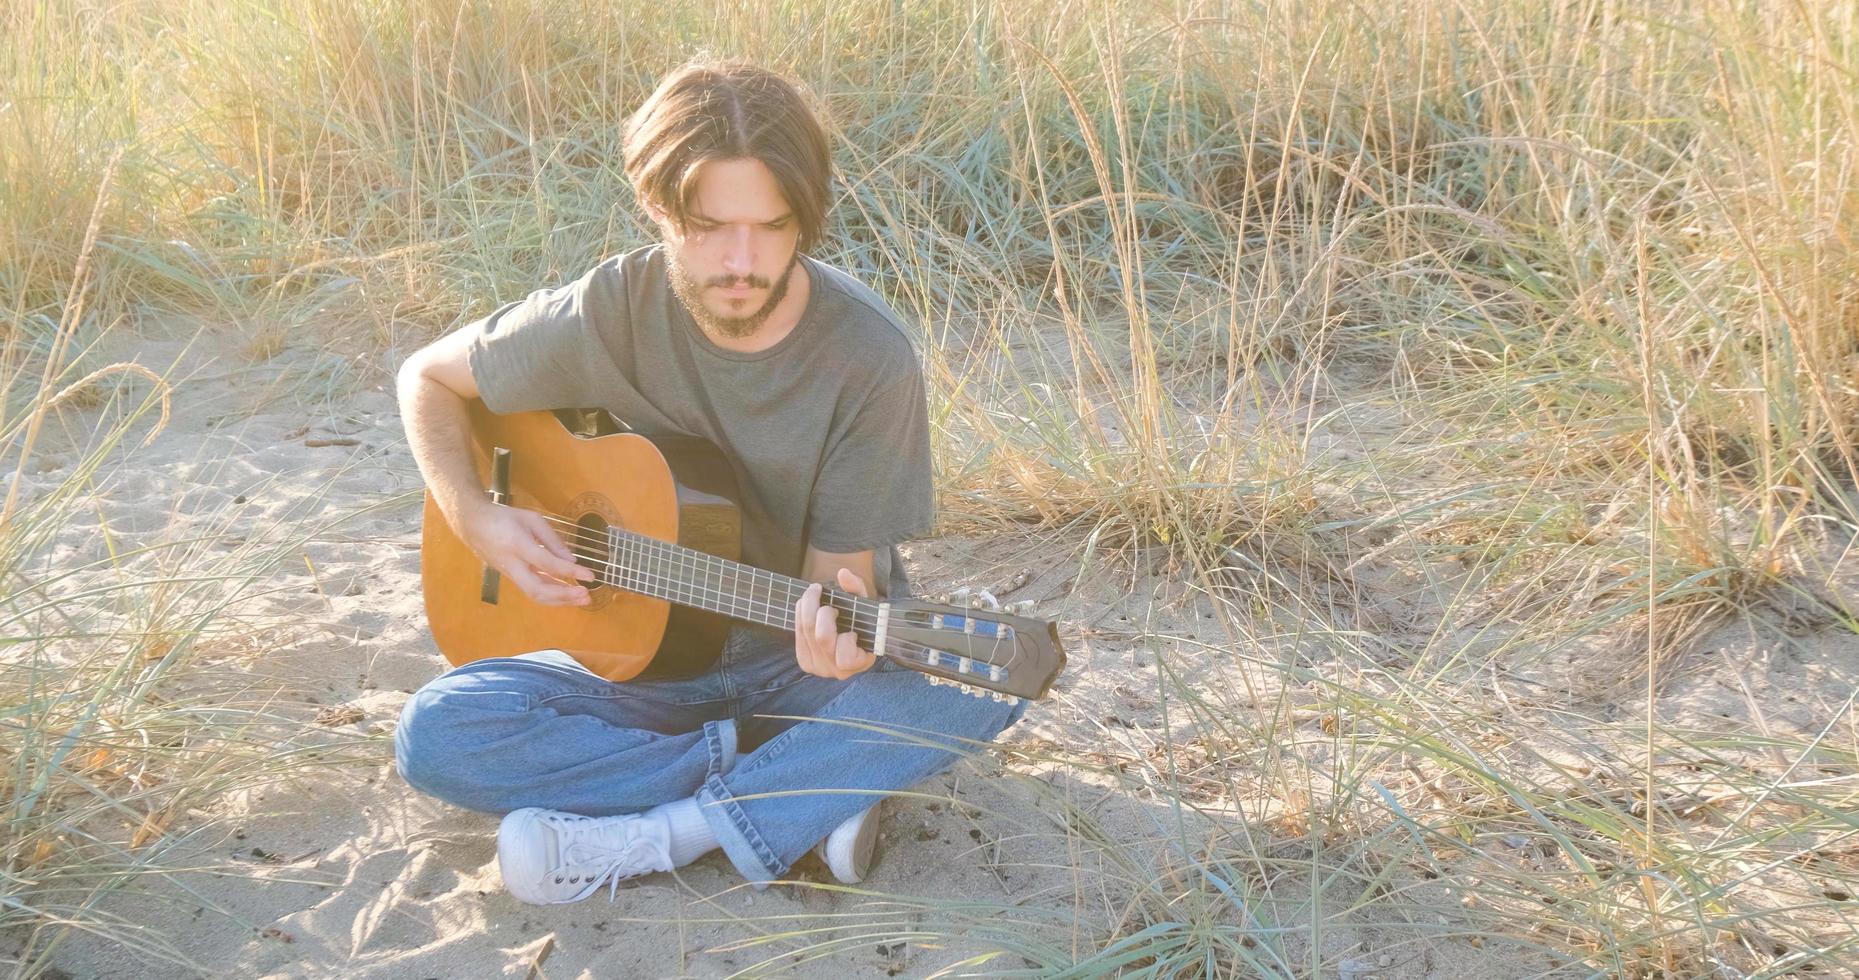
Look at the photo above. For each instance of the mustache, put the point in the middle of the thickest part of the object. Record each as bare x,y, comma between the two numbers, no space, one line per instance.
724,282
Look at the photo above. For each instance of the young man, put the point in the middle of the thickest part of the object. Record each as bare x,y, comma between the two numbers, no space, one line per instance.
805,379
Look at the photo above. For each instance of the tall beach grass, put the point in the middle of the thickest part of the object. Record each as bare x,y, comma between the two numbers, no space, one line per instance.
1546,312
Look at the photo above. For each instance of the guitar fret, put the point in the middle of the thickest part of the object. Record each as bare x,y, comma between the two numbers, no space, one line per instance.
672,572
669,571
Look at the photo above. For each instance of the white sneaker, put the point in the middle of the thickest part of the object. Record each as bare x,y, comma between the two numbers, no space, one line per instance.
549,857
847,851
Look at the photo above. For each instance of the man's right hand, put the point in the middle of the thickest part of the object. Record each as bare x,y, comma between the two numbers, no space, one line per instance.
433,386
523,546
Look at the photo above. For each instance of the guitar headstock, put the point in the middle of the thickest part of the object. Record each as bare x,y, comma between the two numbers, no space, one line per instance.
967,637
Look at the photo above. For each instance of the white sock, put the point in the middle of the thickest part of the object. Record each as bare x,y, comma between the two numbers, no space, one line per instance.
691,836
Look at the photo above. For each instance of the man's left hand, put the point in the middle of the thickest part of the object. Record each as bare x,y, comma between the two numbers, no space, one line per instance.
820,648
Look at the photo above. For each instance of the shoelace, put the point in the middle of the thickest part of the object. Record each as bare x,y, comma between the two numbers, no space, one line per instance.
577,848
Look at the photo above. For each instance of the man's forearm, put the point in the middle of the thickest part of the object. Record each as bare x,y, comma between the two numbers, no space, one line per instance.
439,435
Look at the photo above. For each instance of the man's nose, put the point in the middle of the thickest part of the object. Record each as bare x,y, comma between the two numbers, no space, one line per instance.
737,259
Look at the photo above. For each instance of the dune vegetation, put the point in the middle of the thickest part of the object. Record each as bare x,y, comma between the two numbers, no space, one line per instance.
1460,375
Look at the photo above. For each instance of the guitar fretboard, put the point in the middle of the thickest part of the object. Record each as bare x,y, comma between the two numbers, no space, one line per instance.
666,570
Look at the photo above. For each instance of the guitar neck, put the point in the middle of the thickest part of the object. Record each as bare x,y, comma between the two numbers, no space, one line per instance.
665,570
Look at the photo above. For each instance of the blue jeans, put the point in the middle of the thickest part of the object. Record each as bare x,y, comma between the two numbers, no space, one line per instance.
541,730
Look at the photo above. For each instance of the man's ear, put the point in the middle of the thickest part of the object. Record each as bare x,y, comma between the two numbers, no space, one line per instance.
658,217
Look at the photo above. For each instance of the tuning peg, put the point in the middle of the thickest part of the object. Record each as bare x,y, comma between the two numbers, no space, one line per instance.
1022,608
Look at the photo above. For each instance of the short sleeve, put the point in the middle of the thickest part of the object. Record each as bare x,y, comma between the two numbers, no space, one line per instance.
536,353
876,486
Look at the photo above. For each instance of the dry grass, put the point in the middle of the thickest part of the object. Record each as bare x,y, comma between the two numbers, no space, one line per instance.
1550,313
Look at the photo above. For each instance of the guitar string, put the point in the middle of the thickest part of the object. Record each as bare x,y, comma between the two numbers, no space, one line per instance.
651,549
647,568
653,553
631,543
641,548
654,550
635,546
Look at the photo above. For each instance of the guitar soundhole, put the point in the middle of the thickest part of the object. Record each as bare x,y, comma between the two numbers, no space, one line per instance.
590,549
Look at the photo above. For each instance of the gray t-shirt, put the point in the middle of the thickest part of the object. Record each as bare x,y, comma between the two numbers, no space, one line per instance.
827,430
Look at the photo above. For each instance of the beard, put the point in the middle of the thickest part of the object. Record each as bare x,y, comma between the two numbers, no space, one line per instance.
691,293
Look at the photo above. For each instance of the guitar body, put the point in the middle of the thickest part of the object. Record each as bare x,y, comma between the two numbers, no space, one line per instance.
656,518
581,467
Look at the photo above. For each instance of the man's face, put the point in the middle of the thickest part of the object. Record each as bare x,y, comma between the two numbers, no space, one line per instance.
731,266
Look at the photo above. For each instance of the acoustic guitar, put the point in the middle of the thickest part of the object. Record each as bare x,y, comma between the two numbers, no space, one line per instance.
655,517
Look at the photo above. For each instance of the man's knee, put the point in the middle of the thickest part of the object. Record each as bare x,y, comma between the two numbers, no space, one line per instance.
415,743
1013,716
968,712
442,729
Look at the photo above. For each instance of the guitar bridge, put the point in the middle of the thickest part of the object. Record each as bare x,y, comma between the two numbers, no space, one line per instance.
499,493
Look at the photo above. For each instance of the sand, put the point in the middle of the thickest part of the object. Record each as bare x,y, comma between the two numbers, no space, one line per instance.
342,870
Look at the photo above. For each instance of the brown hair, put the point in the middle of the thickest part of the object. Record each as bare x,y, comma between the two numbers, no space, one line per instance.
725,110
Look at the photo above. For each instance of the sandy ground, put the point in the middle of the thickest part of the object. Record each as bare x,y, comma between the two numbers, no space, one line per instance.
347,872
